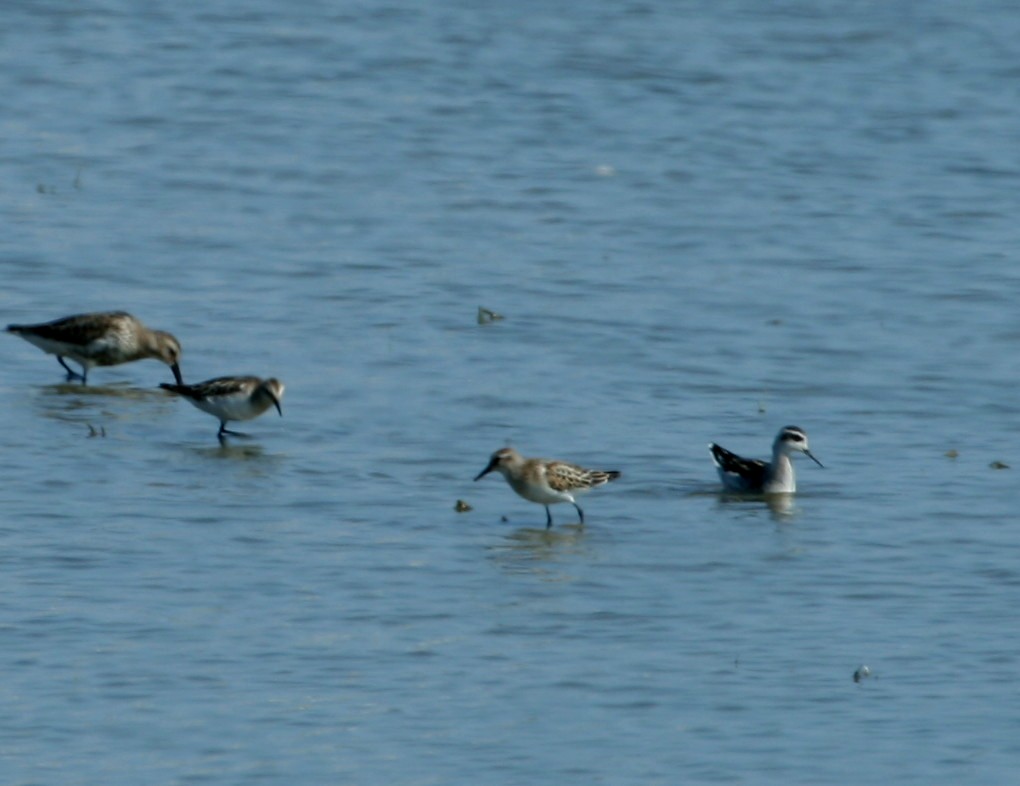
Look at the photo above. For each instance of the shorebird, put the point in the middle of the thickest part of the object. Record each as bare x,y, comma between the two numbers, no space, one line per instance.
232,398
754,475
546,482
106,338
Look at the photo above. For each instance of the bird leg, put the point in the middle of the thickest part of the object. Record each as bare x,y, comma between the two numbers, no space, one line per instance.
224,431
72,375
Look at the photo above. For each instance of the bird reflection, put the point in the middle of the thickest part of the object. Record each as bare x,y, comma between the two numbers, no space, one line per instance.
533,550
233,451
85,404
781,506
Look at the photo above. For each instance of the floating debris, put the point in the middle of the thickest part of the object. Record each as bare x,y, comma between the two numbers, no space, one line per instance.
952,454
485,316
93,432
999,465
862,673
462,506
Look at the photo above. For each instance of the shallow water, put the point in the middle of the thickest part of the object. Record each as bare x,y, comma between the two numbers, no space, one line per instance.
700,223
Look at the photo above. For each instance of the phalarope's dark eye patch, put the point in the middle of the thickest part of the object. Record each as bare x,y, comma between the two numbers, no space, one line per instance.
794,436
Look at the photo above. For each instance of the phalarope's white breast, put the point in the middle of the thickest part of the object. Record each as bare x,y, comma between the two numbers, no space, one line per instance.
546,482
101,339
232,398
753,475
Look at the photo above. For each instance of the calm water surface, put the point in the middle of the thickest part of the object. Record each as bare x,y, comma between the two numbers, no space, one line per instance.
702,222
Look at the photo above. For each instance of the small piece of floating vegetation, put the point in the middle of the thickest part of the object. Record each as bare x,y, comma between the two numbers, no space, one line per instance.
485,316
462,506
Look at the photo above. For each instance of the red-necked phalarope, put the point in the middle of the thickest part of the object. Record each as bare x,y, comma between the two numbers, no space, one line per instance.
232,398
546,482
753,475
102,339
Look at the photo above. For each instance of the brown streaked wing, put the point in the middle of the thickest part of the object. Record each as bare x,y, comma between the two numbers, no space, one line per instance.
79,329
221,386
599,477
564,477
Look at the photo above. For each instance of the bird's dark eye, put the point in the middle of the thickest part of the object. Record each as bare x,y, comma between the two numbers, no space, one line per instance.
795,437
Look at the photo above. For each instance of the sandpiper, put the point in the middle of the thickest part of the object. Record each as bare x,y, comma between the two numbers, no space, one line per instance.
106,338
232,398
546,482
754,475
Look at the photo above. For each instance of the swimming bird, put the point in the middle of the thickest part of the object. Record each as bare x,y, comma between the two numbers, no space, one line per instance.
106,338
754,475
232,398
546,482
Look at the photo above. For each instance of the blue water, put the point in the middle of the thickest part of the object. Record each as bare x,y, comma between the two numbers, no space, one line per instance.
701,221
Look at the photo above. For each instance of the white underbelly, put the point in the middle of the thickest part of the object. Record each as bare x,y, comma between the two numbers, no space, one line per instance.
541,493
230,409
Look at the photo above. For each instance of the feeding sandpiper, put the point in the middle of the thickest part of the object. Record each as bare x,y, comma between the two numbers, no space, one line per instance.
754,475
106,338
232,398
546,482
